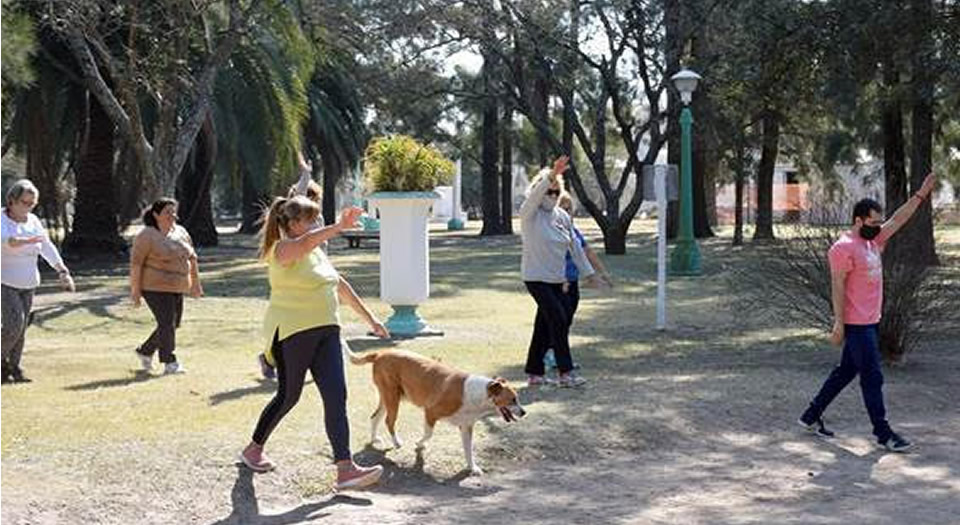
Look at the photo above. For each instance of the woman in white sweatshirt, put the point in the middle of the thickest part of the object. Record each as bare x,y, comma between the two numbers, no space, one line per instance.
23,239
547,233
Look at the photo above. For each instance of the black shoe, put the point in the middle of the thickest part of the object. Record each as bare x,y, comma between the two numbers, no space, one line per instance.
896,443
17,374
6,374
816,427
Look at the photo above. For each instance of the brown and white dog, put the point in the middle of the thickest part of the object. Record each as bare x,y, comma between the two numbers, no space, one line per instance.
443,392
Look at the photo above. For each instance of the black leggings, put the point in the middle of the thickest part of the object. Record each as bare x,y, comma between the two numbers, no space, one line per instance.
167,308
551,328
318,350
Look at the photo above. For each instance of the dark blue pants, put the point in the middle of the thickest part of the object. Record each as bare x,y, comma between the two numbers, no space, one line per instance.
861,355
319,351
551,328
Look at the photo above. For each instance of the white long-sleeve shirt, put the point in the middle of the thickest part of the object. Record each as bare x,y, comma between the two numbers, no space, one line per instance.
19,264
547,236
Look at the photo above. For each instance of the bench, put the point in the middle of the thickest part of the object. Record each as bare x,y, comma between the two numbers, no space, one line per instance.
354,237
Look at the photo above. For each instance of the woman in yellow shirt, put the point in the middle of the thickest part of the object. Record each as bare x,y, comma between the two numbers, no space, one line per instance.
303,325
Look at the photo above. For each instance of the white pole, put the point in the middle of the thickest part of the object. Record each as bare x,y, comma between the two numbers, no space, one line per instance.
457,192
660,187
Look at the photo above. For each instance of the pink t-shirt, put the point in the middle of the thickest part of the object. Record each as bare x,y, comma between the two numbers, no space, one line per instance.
860,258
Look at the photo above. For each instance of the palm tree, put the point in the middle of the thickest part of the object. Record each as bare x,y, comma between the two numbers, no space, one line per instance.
334,131
259,105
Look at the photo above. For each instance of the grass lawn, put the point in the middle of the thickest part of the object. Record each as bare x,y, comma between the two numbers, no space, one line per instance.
691,425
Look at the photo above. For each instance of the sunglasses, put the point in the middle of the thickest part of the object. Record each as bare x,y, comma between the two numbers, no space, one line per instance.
553,193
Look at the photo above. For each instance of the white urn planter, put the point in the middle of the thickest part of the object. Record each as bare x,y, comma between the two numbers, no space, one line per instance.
404,257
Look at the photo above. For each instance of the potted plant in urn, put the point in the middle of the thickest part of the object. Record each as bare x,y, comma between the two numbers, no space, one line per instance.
401,173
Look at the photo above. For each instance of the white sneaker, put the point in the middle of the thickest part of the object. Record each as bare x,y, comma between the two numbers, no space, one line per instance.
173,368
146,361
571,380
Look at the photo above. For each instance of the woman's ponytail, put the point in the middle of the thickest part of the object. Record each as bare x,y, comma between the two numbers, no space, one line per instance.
270,231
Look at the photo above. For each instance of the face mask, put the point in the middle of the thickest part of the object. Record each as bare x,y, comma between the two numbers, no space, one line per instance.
869,232
548,204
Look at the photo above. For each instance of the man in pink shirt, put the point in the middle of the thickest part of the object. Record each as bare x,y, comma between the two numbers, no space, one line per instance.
856,270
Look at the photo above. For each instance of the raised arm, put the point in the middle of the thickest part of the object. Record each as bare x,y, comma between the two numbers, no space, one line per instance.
304,182
289,250
542,183
906,211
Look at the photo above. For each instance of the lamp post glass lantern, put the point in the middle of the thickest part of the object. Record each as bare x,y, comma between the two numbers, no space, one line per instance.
685,259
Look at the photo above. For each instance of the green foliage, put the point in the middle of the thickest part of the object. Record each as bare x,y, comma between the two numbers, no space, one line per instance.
400,163
19,45
334,125
259,105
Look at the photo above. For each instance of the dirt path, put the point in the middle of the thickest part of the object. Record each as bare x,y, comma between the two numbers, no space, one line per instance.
701,438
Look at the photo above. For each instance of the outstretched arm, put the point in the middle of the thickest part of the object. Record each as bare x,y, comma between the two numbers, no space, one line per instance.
289,250
906,211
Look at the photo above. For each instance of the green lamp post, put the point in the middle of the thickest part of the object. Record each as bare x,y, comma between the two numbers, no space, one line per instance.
685,259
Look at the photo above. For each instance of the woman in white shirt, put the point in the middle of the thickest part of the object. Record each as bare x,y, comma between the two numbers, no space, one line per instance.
23,239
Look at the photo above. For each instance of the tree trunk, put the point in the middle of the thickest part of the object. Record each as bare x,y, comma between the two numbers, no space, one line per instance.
541,105
42,161
506,171
919,230
894,158
701,194
489,174
739,168
894,163
704,161
765,170
673,47
615,239
254,202
95,228
196,209
332,171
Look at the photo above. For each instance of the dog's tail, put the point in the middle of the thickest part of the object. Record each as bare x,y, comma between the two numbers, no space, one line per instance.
358,359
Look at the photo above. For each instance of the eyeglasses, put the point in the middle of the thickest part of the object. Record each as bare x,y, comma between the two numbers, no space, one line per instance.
553,193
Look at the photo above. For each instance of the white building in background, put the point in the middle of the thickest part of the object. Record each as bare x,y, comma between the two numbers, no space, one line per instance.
791,197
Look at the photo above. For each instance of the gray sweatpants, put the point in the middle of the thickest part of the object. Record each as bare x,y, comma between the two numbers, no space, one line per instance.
16,314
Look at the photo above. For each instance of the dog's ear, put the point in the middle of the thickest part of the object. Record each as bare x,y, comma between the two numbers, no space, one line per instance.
494,388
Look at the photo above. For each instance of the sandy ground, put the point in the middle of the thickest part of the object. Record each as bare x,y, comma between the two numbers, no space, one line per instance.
694,426
703,436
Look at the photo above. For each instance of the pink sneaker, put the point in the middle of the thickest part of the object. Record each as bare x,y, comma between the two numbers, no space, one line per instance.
357,477
254,458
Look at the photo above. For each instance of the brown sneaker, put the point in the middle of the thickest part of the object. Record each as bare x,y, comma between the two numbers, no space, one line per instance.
255,460
358,477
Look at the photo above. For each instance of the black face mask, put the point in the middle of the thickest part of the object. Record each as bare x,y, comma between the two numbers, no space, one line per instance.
869,232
